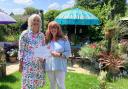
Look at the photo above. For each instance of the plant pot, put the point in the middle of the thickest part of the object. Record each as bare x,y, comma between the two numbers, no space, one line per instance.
12,59
109,33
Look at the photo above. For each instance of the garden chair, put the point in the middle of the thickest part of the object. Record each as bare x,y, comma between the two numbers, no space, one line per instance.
75,55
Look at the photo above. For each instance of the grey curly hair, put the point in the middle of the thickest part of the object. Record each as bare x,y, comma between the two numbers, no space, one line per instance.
31,18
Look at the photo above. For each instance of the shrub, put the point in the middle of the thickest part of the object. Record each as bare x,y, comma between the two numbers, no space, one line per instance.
11,38
92,50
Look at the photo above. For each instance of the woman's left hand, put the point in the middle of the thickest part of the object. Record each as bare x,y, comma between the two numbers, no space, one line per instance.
55,54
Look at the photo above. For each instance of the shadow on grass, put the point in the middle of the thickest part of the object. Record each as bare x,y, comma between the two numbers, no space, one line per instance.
9,78
92,69
4,87
87,65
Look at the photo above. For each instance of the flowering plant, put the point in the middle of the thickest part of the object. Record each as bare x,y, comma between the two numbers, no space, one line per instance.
89,51
12,52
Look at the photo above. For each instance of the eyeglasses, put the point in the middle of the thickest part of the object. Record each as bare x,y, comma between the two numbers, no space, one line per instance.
53,27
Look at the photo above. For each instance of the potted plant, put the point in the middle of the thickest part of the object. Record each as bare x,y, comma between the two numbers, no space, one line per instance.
12,55
109,29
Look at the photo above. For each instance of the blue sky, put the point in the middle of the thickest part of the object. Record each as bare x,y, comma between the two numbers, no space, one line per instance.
17,6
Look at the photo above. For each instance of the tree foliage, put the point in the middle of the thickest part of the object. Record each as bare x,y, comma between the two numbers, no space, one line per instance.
88,3
11,14
30,10
51,14
117,6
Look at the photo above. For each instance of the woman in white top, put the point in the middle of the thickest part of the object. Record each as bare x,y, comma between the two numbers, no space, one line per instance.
56,66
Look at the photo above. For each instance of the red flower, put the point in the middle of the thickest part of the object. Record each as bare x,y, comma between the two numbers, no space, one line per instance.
93,45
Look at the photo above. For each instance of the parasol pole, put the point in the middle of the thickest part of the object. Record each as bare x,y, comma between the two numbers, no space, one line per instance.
75,34
75,29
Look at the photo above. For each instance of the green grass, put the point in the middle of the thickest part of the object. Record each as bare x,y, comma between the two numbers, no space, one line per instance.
73,81
118,84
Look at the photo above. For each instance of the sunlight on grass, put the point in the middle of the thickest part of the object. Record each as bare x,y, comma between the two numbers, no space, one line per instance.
119,84
73,81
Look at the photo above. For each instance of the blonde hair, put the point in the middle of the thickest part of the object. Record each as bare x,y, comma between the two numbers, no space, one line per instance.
30,20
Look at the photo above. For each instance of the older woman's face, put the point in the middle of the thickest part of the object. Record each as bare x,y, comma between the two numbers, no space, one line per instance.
36,23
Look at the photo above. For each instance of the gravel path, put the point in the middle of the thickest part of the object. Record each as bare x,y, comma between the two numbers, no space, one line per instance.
13,67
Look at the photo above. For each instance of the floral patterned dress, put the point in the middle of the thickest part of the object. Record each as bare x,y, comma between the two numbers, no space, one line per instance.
33,74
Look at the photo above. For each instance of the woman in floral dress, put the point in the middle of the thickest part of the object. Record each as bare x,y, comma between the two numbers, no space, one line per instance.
32,67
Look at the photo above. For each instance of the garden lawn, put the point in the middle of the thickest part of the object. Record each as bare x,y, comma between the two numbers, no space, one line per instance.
73,81
118,84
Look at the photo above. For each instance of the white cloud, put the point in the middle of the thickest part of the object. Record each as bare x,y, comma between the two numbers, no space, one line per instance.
15,11
57,6
54,5
68,4
24,2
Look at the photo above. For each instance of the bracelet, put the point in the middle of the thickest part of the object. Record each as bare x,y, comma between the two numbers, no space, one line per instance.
61,55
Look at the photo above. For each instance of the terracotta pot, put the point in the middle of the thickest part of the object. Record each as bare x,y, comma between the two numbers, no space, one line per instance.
12,59
109,33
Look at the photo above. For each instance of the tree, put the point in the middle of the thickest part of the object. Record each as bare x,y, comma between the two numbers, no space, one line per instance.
30,10
117,6
11,14
51,14
88,3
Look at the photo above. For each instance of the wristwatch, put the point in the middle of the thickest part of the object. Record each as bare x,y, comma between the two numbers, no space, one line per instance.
61,54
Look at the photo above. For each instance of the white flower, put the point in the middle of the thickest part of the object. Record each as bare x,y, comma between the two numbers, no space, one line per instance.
12,52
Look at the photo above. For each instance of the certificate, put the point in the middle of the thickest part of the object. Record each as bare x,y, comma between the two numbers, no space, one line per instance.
42,52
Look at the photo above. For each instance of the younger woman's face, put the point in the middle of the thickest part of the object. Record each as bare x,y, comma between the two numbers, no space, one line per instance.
53,30
36,24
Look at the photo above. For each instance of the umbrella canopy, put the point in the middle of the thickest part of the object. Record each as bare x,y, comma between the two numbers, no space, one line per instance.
77,16
6,19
